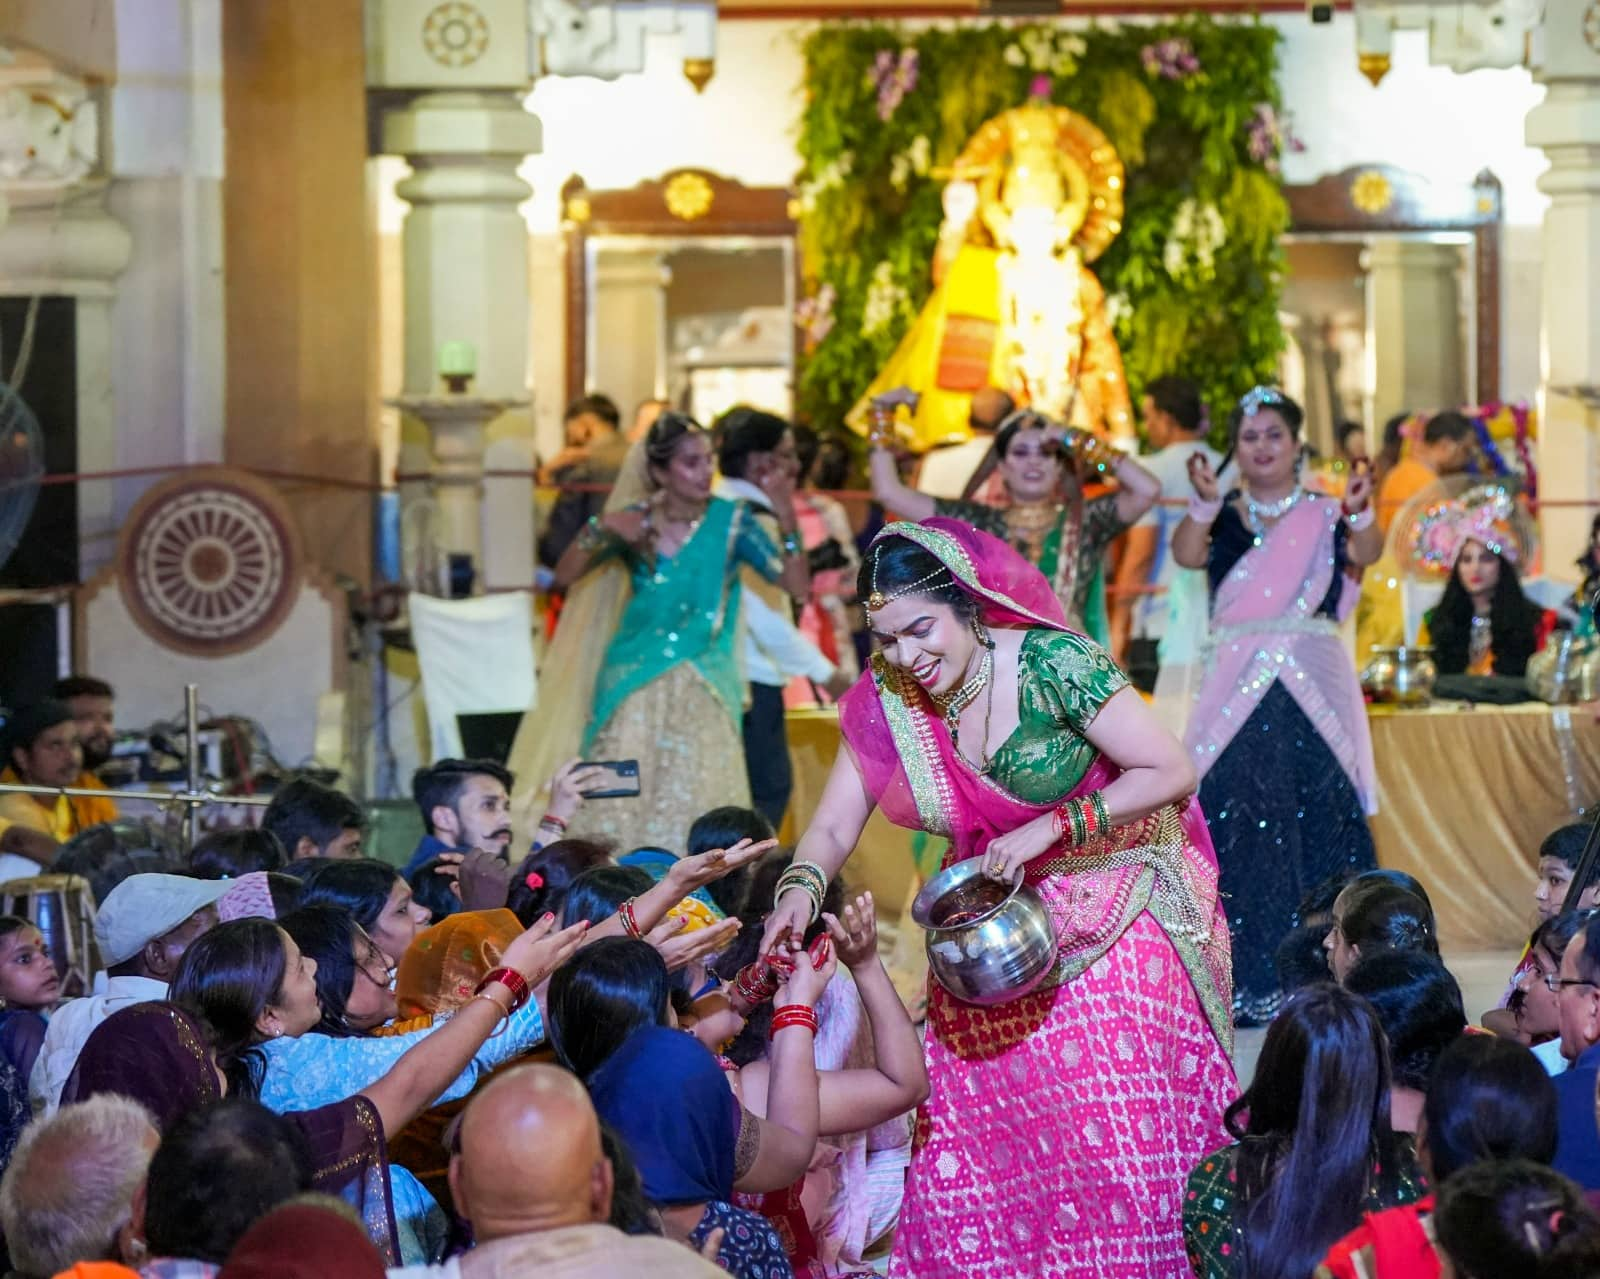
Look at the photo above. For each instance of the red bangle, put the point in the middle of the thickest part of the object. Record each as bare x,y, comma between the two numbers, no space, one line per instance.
554,822
630,924
794,1015
513,981
757,982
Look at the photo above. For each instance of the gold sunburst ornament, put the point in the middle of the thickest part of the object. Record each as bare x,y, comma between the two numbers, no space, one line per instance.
1371,192
688,196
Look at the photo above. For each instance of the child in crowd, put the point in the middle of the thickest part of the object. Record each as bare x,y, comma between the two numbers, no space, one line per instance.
1558,862
29,988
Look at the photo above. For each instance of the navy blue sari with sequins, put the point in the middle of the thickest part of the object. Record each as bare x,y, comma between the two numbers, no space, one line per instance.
1283,813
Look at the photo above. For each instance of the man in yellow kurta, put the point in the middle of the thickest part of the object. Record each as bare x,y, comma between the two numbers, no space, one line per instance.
42,750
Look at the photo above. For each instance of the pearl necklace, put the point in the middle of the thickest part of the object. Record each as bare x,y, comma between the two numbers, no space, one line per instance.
1256,511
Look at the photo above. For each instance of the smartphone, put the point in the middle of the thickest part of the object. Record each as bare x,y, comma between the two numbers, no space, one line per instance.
619,779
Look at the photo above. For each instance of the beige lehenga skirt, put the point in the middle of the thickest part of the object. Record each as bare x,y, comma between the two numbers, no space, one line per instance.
691,760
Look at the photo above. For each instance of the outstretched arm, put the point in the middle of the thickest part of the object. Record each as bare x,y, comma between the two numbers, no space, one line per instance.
854,1100
834,831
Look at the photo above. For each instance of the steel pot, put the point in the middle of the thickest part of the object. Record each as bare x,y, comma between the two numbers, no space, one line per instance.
1402,676
987,942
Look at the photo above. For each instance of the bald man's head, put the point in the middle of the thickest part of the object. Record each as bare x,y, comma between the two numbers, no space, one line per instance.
530,1156
990,406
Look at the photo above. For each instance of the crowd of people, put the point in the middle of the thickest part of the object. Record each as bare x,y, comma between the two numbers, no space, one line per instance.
573,1034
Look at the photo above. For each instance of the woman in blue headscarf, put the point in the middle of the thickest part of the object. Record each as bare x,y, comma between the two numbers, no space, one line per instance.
666,1097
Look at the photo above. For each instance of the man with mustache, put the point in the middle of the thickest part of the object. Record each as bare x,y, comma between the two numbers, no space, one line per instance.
465,804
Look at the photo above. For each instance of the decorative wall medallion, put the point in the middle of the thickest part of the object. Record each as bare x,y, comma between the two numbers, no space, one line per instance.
209,563
455,34
1591,26
1371,192
688,196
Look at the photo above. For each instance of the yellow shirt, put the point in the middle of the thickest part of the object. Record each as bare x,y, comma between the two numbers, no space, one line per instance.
60,818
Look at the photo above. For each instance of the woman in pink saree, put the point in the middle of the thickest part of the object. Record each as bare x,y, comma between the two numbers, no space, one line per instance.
1278,732
1059,1126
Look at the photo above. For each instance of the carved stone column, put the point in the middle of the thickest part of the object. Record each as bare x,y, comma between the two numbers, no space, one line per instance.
1567,126
627,325
1414,314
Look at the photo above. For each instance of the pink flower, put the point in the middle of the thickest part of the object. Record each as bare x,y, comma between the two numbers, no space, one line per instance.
1171,59
893,77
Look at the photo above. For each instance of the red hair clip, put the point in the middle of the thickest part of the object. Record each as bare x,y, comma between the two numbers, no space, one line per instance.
534,880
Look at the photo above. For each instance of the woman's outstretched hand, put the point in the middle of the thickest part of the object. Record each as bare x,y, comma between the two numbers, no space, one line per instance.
690,873
855,937
787,923
1007,853
541,950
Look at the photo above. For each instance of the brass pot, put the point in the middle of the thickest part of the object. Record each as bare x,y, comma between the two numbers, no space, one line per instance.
1566,670
988,942
1400,676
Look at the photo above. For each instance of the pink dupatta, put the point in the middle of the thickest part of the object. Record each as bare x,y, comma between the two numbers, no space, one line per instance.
1264,628
1163,862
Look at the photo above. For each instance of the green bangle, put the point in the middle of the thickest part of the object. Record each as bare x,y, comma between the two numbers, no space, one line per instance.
791,544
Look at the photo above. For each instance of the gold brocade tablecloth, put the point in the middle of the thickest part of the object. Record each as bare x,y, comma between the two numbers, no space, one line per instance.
1466,794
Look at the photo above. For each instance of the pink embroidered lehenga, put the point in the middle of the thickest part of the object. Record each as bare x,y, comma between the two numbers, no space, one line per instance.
1060,1126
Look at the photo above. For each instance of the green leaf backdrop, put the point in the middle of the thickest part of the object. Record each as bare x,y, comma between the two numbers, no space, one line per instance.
1200,145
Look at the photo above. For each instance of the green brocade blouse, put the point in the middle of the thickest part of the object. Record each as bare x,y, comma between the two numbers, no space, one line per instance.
1063,679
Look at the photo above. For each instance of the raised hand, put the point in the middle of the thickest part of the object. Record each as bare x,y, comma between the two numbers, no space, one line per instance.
680,949
808,980
1203,478
787,923
855,937
690,873
541,950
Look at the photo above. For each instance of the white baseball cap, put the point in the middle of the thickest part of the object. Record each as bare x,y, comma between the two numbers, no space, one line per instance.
144,907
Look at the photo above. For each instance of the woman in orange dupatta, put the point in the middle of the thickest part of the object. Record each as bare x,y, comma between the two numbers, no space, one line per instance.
1060,1125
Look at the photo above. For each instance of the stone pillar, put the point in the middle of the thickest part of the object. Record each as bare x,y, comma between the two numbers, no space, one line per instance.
627,327
1567,127
465,248
1414,326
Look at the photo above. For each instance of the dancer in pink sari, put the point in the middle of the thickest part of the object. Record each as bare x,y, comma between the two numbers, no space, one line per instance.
1059,1126
1278,733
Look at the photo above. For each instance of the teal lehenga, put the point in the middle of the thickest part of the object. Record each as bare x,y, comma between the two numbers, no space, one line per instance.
668,690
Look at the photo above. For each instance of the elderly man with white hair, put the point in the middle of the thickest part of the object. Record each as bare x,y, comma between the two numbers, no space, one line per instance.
67,1196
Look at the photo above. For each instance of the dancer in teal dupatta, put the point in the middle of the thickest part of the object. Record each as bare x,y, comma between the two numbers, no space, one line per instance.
645,663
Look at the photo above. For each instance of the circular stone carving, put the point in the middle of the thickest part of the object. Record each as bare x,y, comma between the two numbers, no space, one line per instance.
455,34
208,563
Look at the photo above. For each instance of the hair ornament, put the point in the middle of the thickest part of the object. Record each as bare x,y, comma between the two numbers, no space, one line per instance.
878,599
1486,514
534,880
1258,398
